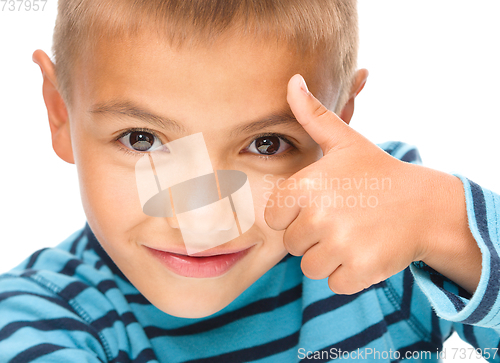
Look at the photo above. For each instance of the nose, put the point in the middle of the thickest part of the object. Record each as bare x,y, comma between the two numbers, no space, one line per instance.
199,207
209,207
173,222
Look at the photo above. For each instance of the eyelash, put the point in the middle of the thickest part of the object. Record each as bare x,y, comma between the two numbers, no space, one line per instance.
129,152
126,150
274,157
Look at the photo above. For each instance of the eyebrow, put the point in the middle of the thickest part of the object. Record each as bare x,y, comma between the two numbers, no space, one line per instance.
128,108
285,119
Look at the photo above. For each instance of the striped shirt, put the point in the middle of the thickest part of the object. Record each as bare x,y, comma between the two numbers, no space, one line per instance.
71,303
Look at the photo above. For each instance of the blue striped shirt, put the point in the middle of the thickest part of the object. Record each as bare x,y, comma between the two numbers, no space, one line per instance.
71,303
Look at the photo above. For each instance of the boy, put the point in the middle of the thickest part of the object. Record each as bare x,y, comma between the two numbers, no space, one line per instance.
124,288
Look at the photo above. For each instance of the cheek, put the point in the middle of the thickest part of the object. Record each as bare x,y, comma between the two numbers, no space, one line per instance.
109,193
107,181
260,194
262,188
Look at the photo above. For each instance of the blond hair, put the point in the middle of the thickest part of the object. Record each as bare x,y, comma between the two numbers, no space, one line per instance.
321,28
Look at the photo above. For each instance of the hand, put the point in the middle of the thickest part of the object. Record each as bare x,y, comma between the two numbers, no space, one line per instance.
368,218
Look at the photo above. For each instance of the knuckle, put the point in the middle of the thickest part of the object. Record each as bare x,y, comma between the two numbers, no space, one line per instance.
332,284
380,276
363,264
311,268
331,247
290,245
272,224
338,286
320,110
369,274
317,217
358,265
366,283
345,282
275,220
270,219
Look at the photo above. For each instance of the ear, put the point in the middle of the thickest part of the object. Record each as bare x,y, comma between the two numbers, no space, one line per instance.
359,82
56,109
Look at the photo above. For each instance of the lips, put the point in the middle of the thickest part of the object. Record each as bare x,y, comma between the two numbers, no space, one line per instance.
200,265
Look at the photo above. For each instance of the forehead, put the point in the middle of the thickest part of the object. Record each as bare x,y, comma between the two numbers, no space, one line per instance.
231,77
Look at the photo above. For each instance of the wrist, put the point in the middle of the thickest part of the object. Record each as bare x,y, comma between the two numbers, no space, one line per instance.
449,246
446,218
433,210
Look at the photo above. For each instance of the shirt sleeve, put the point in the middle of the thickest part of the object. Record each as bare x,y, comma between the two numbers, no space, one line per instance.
37,324
476,317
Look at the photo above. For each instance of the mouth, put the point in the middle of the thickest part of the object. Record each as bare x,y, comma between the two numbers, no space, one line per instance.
200,265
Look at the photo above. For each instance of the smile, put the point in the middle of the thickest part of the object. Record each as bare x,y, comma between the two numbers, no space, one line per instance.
198,266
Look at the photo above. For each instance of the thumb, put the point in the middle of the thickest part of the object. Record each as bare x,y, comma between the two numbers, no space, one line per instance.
323,125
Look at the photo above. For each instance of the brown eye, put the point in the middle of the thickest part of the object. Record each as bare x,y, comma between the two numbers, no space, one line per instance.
268,145
141,141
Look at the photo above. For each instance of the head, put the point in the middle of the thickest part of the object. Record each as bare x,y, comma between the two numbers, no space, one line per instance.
174,68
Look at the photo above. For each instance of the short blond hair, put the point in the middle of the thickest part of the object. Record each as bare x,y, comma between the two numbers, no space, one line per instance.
318,28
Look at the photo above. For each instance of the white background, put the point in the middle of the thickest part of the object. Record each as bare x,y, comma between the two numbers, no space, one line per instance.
433,83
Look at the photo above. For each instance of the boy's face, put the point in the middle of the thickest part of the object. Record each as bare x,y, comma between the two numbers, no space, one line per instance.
220,92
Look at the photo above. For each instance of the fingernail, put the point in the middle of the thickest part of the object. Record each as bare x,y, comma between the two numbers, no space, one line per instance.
303,86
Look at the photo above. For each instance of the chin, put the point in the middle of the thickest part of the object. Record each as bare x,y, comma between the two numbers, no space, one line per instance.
191,311
191,305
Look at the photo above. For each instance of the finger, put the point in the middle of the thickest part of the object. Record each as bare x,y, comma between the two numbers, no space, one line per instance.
319,261
301,234
342,282
345,280
282,207
323,125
